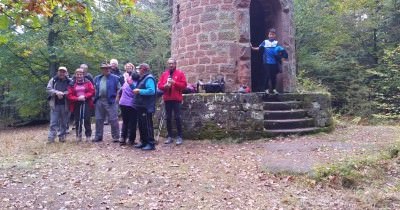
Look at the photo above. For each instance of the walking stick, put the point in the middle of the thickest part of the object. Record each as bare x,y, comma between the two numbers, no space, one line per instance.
83,116
80,120
161,122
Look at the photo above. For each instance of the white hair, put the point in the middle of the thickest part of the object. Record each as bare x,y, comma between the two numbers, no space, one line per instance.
114,61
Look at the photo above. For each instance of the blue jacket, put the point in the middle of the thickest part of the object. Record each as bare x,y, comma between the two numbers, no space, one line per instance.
112,87
272,52
147,94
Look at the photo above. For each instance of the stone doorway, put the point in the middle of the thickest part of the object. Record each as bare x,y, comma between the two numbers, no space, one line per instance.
264,14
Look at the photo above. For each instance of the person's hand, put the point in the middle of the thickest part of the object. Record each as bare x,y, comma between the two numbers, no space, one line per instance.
60,94
170,81
167,85
81,98
136,91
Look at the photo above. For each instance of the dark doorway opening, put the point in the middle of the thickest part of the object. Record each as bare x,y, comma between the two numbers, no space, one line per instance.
263,16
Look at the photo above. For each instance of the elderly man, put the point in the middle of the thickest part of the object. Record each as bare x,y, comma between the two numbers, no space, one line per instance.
106,86
145,104
86,73
115,70
57,88
172,82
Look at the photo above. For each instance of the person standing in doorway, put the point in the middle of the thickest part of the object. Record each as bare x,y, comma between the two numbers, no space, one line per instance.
272,55
172,82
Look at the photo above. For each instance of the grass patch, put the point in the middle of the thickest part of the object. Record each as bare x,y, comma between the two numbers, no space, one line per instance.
369,169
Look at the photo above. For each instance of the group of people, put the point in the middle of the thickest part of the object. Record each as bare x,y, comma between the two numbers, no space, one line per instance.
134,92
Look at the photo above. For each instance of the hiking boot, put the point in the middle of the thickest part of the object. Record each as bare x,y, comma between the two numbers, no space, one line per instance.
139,146
274,91
169,140
267,91
115,140
179,140
88,138
79,138
50,141
97,139
122,142
61,139
149,147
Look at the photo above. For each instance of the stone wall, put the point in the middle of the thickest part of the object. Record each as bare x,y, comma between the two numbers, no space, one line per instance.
211,38
241,116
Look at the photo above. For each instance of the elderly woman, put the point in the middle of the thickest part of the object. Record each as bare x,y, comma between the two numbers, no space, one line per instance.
80,95
126,100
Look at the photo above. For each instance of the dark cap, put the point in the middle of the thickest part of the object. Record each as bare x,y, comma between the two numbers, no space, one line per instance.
105,65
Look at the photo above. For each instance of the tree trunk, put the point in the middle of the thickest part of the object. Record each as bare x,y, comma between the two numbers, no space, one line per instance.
51,39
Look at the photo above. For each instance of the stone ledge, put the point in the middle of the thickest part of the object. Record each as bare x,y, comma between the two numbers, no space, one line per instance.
241,116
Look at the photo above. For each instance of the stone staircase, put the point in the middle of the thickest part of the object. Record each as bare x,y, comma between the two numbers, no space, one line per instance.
285,116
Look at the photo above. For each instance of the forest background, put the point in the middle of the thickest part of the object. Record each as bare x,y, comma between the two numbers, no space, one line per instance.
349,48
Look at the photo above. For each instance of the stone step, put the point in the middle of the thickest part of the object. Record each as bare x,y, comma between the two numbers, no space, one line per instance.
298,131
273,97
284,114
282,105
284,97
289,123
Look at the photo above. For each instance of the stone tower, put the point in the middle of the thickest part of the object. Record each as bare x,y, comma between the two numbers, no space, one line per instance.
211,38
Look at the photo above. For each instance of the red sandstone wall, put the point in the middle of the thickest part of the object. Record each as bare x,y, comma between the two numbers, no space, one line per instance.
211,38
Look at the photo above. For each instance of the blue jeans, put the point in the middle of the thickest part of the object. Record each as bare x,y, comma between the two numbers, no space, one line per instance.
103,109
58,122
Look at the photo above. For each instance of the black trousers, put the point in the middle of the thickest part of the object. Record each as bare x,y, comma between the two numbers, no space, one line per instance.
82,115
269,73
175,107
129,123
146,128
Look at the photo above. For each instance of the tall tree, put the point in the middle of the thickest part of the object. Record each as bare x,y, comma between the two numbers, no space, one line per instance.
117,30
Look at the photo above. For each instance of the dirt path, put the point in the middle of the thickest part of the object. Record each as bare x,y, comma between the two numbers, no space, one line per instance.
196,175
302,154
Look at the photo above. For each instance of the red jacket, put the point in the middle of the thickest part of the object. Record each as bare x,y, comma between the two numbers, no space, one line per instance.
73,98
175,92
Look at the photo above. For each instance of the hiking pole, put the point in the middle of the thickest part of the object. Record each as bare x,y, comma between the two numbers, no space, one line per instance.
161,122
83,116
80,121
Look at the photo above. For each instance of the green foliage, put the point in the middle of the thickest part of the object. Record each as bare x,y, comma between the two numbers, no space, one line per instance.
29,54
306,84
349,47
